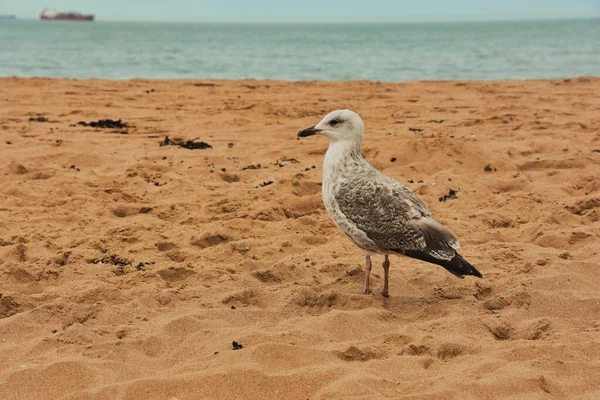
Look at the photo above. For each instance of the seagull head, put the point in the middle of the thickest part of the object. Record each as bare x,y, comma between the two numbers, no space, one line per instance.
339,125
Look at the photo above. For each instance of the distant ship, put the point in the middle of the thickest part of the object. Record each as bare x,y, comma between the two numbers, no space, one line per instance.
52,15
8,17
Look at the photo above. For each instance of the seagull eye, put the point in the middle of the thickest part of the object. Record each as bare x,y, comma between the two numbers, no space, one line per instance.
334,122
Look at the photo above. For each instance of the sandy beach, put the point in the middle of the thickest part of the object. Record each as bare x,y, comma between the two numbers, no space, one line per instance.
127,268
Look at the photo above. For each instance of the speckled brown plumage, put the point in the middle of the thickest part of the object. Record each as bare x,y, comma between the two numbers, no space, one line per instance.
380,215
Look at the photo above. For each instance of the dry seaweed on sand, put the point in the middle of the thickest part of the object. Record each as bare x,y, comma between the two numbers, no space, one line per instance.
236,345
286,161
267,183
190,144
489,168
106,124
251,166
451,195
38,119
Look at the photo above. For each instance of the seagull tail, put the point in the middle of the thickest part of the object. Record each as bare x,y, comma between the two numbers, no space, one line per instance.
457,265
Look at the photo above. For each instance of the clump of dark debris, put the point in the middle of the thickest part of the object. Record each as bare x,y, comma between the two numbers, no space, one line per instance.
236,345
267,183
38,119
141,265
106,124
190,144
393,159
112,259
415,129
120,263
489,168
251,166
451,195
286,161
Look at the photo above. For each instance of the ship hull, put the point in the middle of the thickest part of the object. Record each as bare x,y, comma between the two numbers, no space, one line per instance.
59,17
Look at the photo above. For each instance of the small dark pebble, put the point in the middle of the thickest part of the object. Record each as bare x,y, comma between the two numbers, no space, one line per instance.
8,142
415,129
230,145
149,90
267,183
251,166
223,169
188,144
140,266
451,195
233,307
420,181
38,119
596,151
393,159
436,121
236,346
488,168
74,167
106,124
410,181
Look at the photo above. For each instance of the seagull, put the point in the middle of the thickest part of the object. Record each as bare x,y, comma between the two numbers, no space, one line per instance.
377,213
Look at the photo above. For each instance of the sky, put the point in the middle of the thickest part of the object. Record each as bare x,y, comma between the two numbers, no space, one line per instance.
310,10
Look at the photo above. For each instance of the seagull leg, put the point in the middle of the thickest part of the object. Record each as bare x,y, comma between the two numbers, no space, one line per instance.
386,277
367,274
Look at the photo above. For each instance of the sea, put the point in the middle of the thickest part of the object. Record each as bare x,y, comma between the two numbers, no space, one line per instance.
382,52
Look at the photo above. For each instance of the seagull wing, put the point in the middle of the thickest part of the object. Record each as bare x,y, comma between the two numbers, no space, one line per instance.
393,217
396,220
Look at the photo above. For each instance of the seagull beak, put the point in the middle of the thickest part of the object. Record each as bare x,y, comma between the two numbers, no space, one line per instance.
308,131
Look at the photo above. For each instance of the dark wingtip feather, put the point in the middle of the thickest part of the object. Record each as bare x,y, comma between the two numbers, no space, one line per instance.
465,264
457,265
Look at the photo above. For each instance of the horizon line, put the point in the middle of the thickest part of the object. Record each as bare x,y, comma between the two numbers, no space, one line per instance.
336,22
